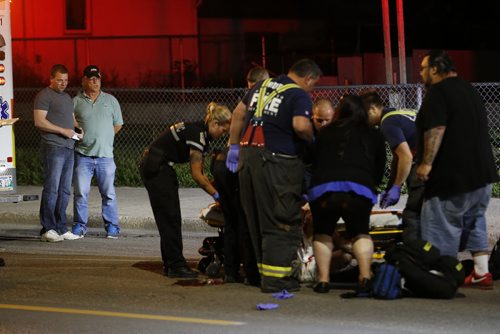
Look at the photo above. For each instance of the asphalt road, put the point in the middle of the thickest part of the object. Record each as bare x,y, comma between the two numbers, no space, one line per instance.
96,285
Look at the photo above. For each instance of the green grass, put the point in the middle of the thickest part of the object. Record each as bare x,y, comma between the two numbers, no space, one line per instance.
29,170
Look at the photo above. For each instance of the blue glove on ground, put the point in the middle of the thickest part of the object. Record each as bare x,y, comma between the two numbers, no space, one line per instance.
391,197
232,157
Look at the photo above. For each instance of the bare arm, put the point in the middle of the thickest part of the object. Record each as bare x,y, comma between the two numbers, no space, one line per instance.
303,128
404,160
196,160
117,128
41,122
237,123
432,143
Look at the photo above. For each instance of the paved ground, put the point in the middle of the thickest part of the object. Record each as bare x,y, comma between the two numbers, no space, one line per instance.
97,285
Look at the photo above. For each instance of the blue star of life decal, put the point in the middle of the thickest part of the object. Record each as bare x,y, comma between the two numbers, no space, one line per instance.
4,106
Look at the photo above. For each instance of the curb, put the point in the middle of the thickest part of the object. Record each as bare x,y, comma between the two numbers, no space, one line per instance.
126,222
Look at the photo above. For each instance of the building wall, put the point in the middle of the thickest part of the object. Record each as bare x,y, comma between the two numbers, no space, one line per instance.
130,40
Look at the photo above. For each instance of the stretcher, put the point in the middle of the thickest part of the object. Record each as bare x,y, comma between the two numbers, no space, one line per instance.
385,229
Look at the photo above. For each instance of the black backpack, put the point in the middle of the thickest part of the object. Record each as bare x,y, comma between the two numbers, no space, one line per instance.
425,271
494,262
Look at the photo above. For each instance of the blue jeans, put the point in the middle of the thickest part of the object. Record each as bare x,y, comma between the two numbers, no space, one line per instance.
58,171
457,223
104,171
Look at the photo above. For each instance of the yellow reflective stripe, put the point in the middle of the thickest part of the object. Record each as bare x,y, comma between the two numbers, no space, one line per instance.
427,246
275,271
262,94
409,112
261,103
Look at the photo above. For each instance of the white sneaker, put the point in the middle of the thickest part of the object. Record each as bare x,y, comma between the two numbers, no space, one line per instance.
51,236
70,236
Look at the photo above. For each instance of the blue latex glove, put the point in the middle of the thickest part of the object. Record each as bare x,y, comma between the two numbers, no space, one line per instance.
390,197
269,306
232,157
216,196
282,295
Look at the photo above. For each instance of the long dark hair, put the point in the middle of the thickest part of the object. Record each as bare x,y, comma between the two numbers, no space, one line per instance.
350,112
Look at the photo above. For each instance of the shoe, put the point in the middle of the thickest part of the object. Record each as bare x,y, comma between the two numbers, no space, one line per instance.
112,231
79,229
70,236
181,272
484,282
363,290
288,284
251,281
51,236
322,287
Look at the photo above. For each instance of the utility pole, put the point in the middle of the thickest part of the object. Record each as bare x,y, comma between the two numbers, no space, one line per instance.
401,41
387,41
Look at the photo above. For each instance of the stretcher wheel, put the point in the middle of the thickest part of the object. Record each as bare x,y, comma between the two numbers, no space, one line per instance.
213,269
204,263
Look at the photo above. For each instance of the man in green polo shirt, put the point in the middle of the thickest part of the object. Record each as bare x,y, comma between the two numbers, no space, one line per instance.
99,115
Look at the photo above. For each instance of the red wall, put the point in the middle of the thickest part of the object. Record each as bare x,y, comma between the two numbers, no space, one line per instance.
125,61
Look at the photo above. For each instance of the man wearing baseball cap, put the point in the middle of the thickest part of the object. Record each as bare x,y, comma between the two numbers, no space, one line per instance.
99,115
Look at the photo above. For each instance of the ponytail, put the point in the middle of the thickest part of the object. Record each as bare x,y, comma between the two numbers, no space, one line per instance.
218,113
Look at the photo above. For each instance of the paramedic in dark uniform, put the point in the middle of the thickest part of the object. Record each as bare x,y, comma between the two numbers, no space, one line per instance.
271,171
180,143
400,132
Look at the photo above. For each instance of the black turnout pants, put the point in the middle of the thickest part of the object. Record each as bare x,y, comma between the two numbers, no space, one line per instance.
271,189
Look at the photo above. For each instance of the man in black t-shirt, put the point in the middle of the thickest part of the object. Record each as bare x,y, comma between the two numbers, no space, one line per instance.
456,163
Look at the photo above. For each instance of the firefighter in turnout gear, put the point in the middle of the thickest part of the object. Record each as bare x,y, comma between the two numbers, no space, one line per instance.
270,126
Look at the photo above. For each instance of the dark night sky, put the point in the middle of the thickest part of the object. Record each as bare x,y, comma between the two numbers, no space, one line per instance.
355,26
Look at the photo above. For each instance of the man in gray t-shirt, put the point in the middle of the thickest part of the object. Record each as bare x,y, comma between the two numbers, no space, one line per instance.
53,115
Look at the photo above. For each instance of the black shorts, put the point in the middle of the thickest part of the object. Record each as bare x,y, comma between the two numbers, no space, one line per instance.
355,210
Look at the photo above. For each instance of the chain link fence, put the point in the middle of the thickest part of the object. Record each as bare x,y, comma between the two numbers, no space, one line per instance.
147,112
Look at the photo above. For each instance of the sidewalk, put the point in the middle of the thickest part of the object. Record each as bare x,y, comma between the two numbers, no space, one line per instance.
133,208
135,211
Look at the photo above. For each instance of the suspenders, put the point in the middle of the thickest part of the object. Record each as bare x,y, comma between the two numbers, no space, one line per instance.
254,134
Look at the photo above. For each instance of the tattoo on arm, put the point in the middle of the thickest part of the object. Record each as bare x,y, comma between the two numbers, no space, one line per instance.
432,143
196,160
195,156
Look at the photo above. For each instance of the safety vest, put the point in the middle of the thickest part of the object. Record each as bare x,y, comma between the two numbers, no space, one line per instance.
254,134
